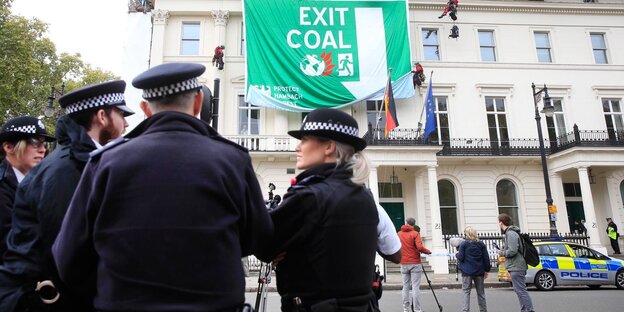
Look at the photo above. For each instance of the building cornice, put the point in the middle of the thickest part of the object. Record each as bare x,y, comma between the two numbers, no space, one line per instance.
530,7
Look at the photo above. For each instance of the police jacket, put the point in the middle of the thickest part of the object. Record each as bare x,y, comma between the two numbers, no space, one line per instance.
163,220
8,184
40,204
473,258
328,228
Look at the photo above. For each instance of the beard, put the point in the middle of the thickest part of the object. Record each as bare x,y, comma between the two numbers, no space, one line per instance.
108,134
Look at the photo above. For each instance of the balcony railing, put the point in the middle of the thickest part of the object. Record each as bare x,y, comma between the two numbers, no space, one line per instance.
453,147
265,143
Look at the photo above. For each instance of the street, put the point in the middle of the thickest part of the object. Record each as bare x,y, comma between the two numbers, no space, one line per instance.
578,299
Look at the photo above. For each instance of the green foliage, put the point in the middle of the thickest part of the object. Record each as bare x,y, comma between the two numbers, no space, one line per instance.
30,66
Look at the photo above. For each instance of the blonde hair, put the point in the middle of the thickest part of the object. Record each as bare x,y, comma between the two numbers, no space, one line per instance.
471,234
19,147
356,161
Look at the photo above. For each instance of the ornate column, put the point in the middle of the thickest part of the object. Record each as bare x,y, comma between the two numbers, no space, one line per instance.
373,182
419,208
439,259
559,200
220,18
159,23
590,213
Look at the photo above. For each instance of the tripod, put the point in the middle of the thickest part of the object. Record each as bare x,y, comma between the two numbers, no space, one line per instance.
264,279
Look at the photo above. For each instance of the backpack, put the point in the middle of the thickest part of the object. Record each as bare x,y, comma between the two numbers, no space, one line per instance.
529,252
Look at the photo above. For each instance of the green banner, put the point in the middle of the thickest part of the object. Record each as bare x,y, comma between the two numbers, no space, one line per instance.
307,54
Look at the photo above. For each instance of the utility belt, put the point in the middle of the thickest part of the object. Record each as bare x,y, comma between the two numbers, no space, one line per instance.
362,303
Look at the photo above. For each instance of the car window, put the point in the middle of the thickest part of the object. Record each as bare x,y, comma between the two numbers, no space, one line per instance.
600,256
543,250
558,250
582,252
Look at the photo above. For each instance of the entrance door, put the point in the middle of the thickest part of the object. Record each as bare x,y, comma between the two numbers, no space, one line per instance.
396,213
575,213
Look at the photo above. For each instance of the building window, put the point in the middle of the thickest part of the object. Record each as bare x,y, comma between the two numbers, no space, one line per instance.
442,121
486,43
248,117
622,191
600,48
508,199
431,47
376,109
390,190
542,44
497,121
448,207
556,123
613,118
190,39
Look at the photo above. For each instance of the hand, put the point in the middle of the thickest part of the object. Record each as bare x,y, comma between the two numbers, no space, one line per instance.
485,275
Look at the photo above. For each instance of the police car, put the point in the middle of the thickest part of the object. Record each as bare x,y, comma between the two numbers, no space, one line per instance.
564,263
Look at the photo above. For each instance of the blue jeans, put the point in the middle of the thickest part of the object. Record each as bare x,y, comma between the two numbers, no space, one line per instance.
518,279
411,277
467,286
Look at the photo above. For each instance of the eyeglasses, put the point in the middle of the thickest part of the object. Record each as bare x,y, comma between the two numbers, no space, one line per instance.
36,142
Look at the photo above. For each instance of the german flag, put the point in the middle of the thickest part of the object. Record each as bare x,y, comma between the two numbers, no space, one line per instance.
391,116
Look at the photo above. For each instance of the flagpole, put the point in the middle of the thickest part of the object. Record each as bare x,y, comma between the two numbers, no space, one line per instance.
382,102
422,111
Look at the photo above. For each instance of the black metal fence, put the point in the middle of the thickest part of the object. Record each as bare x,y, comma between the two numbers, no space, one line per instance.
489,239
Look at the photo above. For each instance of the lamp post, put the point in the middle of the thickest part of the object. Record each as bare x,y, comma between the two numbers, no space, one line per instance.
548,111
49,110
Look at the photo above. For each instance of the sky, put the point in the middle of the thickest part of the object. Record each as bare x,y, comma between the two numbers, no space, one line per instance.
93,28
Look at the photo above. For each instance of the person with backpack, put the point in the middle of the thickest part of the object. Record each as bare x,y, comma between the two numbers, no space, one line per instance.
514,260
474,262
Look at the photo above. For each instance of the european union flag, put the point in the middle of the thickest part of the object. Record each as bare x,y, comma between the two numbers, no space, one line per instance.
430,121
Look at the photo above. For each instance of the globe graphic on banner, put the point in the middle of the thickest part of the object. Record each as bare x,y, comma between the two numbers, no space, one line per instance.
311,65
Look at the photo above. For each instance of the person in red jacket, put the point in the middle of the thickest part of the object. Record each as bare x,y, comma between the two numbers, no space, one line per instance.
411,267
451,7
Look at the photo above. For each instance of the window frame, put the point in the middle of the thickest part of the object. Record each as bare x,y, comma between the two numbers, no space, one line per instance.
603,49
447,207
436,136
196,40
515,216
499,138
616,127
249,108
437,45
538,48
492,47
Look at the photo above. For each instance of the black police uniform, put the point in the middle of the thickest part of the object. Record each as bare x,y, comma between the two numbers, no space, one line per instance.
327,226
40,204
41,201
13,131
8,185
163,219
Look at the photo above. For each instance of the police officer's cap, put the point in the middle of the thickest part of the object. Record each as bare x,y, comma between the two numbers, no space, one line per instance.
169,79
22,128
96,96
332,124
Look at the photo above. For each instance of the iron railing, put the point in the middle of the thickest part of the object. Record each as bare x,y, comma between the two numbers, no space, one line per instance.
489,239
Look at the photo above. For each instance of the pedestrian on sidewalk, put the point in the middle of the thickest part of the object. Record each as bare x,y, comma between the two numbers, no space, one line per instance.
514,261
612,232
474,263
411,265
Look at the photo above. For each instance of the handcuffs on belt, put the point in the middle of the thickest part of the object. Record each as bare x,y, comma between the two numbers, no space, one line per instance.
47,292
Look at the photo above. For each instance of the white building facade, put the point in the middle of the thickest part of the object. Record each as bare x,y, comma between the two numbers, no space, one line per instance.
484,158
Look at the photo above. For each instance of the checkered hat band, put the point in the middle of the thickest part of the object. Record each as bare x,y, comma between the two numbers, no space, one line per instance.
352,131
100,100
175,88
23,129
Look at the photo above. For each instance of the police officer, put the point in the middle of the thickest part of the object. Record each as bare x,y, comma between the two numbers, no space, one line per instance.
94,116
326,225
163,218
24,144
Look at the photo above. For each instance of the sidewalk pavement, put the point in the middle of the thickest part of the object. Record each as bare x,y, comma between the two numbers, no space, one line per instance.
394,281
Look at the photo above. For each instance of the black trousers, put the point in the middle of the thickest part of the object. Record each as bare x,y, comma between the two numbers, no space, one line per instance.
615,245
